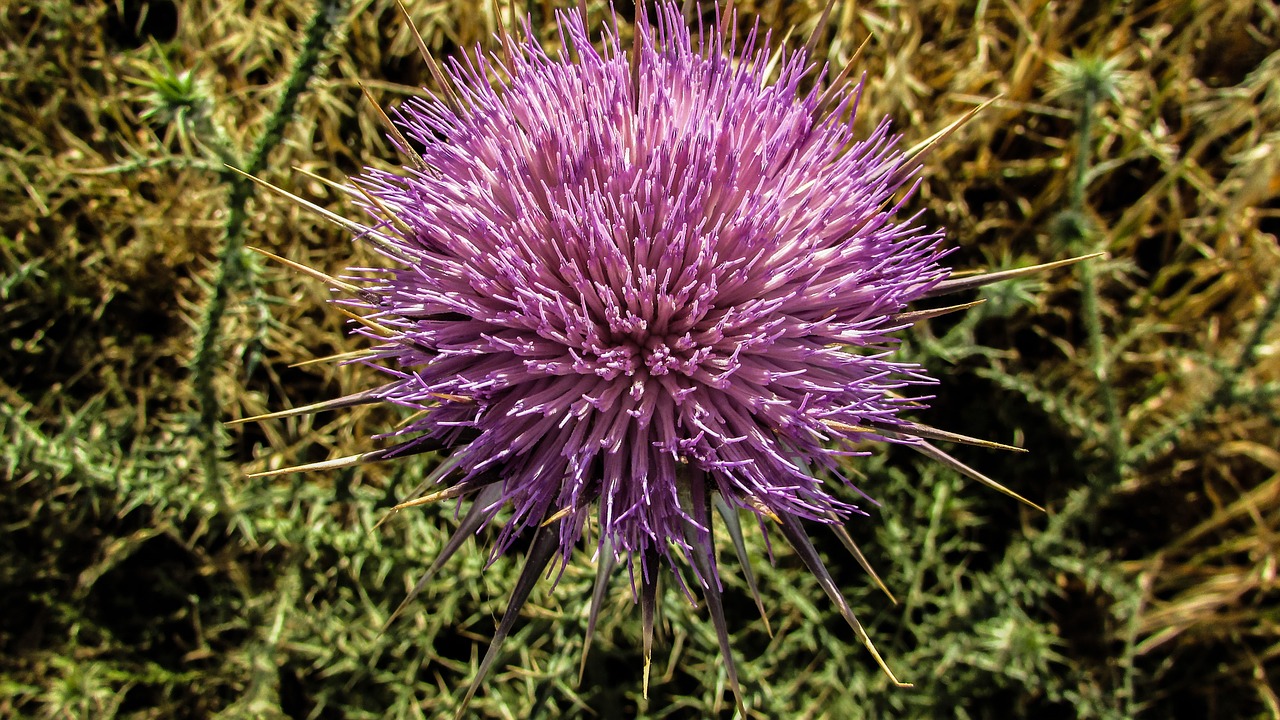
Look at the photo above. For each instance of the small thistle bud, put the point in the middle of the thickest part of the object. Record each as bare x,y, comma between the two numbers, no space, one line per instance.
1087,79
172,95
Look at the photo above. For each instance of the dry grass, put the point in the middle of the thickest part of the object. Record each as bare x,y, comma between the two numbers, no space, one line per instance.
1152,586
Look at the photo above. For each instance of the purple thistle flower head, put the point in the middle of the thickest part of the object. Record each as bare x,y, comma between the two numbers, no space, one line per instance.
627,287
625,283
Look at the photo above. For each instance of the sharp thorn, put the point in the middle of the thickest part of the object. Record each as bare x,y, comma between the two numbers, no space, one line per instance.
344,189
447,494
333,464
337,357
556,516
914,157
432,66
398,136
832,89
795,535
701,552
924,431
405,231
733,526
362,398
648,608
350,225
934,453
915,316
371,324
308,271
852,547
540,554
405,449
812,44
437,474
475,518
970,282
604,570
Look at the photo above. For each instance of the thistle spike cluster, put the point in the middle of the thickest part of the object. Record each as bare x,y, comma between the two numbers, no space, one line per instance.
625,287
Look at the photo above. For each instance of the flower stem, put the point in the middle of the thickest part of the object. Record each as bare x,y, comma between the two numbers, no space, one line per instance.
1089,288
232,270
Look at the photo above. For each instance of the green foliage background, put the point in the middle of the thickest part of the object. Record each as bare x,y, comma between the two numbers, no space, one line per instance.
143,575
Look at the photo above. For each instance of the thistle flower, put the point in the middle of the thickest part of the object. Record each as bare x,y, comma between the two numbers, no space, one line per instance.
627,287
